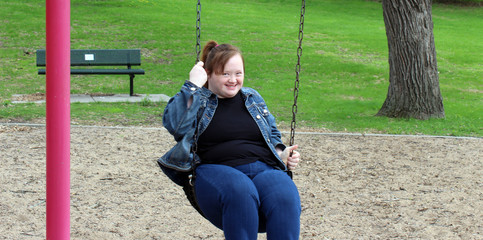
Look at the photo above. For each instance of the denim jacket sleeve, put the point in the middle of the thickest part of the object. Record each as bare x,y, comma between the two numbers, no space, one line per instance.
181,121
276,139
275,135
178,118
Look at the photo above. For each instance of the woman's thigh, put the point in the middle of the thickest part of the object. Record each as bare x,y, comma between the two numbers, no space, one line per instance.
280,206
220,189
276,189
269,181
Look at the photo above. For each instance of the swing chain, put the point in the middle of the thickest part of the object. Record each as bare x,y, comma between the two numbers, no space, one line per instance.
194,147
297,71
198,31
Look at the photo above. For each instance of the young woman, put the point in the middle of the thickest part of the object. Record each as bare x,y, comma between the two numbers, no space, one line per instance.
242,185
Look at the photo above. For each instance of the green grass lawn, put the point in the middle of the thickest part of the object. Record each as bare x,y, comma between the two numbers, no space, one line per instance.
344,75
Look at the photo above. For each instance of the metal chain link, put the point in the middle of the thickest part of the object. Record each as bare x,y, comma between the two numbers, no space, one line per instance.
194,147
198,31
297,71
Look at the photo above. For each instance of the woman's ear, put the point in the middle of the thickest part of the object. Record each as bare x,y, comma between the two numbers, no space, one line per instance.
208,77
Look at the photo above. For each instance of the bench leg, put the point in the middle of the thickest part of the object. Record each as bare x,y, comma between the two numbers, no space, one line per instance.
131,85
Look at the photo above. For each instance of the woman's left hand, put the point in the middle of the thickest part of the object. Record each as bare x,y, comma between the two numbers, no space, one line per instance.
290,161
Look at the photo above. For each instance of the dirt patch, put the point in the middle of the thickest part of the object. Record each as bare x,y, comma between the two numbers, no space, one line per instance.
352,187
29,97
41,96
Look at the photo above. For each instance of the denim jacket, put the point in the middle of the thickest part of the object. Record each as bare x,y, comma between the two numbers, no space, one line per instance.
183,122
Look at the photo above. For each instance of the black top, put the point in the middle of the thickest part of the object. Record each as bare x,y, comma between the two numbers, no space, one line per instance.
233,137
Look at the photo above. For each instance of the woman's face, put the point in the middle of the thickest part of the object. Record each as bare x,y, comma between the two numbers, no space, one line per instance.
227,84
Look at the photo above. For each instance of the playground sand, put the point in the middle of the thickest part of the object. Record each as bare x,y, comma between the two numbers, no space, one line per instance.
352,187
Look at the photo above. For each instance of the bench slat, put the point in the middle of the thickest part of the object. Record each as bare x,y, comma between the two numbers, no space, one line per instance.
101,71
98,57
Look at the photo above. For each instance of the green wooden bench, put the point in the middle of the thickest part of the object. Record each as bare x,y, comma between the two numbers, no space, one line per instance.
102,57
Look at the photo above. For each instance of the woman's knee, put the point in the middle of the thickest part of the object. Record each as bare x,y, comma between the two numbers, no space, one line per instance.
278,191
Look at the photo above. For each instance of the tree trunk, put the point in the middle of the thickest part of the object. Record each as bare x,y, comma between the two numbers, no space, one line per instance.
413,75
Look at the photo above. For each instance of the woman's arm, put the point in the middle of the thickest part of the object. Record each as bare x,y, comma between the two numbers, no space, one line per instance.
178,118
283,152
180,113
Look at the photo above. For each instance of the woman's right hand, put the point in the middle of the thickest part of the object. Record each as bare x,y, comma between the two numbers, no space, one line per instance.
198,74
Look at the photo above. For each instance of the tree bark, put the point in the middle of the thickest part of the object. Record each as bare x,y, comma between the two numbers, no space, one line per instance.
413,75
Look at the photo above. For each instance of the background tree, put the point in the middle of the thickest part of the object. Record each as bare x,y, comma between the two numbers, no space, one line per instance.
413,75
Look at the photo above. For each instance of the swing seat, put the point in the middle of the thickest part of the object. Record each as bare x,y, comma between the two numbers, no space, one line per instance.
189,191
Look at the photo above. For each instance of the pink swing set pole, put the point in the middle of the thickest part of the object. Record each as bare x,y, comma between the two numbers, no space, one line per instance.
58,119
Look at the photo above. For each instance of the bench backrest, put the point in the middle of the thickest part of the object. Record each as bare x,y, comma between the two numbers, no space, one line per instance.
102,57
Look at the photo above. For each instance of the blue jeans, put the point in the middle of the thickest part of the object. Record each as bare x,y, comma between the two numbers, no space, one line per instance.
246,199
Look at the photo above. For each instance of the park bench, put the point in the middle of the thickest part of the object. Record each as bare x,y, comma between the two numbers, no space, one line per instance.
101,57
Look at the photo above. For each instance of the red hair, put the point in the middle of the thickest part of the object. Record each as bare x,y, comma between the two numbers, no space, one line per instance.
216,56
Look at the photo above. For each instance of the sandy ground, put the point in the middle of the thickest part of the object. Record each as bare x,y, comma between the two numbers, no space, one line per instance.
352,187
